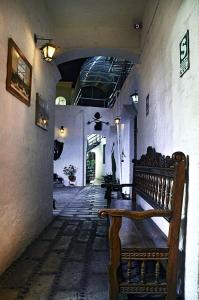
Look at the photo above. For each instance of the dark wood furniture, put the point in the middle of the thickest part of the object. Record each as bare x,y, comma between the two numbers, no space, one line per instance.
146,263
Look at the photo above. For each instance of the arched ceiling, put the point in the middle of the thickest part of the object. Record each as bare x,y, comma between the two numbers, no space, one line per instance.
90,27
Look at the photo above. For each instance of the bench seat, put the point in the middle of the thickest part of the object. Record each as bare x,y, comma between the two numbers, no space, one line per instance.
139,233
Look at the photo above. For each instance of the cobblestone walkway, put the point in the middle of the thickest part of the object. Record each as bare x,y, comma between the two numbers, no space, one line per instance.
69,259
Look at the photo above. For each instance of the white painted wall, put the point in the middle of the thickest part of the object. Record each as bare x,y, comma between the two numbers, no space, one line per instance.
26,152
74,119
173,120
99,166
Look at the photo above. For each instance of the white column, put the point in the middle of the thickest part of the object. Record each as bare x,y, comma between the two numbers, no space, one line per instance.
118,149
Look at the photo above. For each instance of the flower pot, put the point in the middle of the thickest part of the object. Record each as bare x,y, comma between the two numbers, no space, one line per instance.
72,178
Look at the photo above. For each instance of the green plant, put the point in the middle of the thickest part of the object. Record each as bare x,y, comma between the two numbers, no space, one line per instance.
108,177
70,170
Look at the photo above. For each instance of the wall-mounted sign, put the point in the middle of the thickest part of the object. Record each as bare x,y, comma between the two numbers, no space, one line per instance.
147,105
184,54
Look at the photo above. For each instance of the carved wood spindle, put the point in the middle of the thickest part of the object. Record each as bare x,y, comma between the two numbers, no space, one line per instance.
137,179
152,185
142,275
171,195
129,271
168,192
156,189
148,184
141,179
144,182
164,192
157,271
160,190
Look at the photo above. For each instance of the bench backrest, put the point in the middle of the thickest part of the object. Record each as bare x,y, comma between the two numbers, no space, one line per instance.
159,179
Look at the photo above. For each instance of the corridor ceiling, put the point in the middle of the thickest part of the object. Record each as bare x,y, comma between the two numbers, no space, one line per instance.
85,28
97,29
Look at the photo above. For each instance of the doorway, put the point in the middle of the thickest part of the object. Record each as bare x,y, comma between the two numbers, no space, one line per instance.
95,159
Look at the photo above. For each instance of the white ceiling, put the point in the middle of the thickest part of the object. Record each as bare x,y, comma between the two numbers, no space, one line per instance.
89,27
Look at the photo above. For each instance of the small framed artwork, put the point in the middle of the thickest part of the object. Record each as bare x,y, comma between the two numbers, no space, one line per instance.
184,54
19,74
41,113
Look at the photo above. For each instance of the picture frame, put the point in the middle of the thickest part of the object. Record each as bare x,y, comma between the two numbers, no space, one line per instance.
41,113
19,73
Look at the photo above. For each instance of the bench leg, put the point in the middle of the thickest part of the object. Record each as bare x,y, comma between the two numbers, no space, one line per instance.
108,197
113,284
171,295
171,283
115,250
133,200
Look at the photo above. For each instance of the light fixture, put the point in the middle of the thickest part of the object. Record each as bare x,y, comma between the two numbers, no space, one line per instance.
44,121
98,122
61,129
137,26
48,49
117,120
134,97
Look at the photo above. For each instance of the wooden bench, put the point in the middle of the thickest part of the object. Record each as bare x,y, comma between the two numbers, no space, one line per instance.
143,260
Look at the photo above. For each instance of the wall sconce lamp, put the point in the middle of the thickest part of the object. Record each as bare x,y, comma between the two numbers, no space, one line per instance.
47,50
44,121
134,97
117,120
61,129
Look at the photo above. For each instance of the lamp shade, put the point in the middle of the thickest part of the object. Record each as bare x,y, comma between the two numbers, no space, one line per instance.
134,97
117,120
62,129
48,50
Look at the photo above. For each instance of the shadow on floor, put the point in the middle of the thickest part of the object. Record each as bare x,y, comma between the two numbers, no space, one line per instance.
69,259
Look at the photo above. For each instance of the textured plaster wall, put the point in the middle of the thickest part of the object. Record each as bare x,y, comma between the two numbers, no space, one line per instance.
26,153
74,119
172,123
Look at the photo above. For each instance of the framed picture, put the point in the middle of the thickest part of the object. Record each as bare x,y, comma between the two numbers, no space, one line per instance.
19,74
41,113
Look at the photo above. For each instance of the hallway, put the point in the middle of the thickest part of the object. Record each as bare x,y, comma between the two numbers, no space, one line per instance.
69,258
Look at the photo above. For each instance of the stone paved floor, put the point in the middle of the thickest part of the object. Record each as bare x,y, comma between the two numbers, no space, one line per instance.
69,258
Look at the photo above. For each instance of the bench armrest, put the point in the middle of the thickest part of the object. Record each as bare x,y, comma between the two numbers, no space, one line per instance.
137,215
116,185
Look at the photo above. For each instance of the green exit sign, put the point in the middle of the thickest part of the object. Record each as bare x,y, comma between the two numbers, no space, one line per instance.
184,54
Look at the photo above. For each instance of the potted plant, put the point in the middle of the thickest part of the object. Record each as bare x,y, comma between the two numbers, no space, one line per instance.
70,171
108,178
